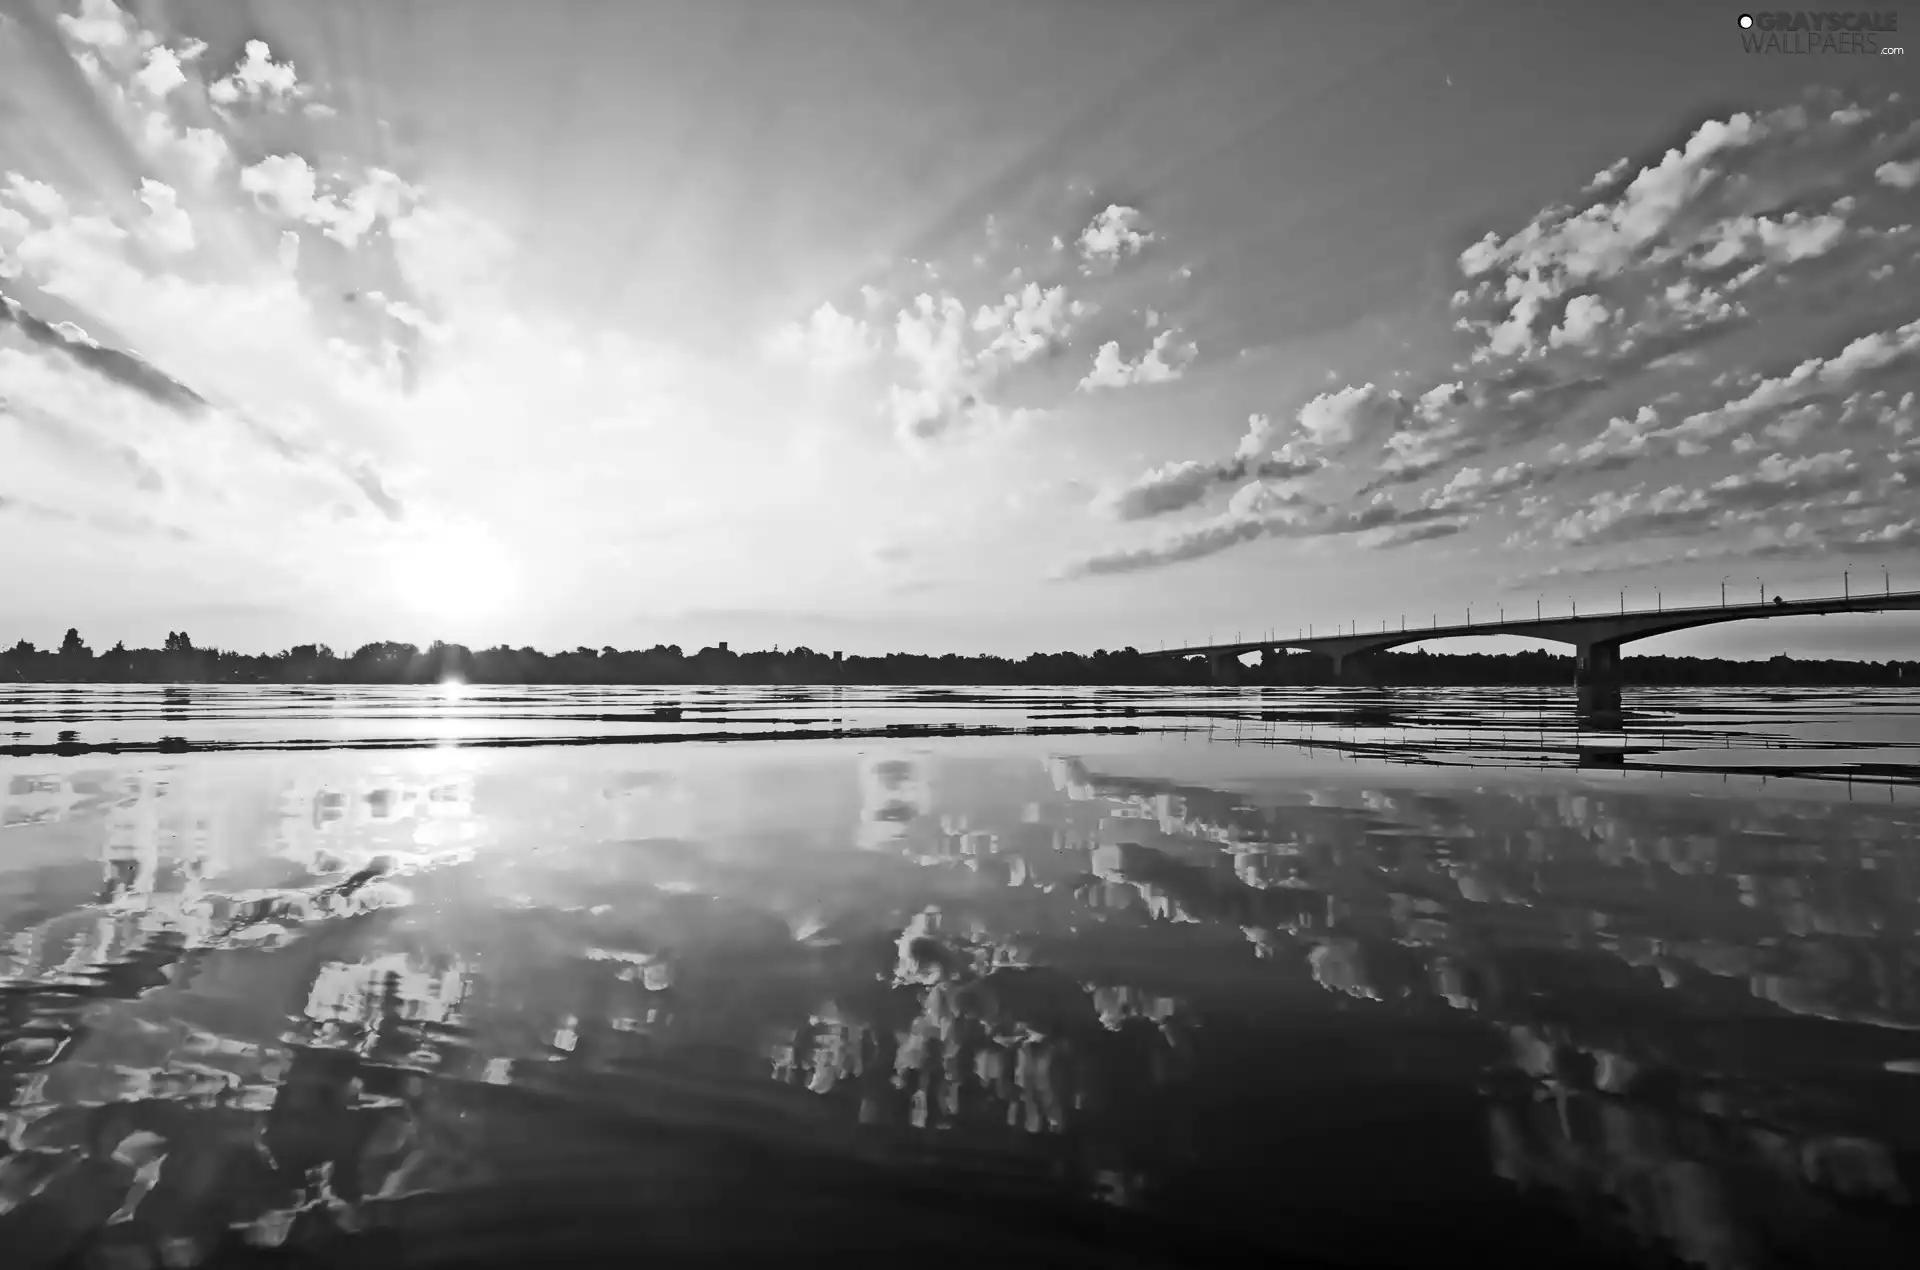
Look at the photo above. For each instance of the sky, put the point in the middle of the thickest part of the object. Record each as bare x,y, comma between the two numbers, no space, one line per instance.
985,327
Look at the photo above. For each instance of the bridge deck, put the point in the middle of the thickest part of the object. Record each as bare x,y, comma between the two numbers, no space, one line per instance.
1631,624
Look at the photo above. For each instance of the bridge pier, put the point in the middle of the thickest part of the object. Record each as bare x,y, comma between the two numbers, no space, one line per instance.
1223,671
1596,676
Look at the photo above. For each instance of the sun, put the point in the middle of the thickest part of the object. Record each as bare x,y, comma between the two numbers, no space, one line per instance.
451,577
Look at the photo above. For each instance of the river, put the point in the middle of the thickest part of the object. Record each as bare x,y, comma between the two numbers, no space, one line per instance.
462,975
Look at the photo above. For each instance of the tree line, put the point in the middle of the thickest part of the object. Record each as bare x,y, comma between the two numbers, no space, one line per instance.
180,660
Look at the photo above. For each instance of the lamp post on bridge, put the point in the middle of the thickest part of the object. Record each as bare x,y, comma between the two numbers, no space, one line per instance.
1658,604
1763,589
1888,577
1576,605
1846,588
1723,589
1536,608
1623,599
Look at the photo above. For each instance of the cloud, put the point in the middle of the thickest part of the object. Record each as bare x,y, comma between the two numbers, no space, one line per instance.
287,412
1354,415
94,424
122,368
1728,196
367,478
99,24
168,226
1112,235
1678,510
1261,511
36,196
1623,294
1795,236
1901,176
257,78
1110,370
287,184
828,340
1622,442
1470,487
161,73
932,336
953,372
1562,246
1812,378
1192,543
1584,316
1178,486
1029,322
1615,516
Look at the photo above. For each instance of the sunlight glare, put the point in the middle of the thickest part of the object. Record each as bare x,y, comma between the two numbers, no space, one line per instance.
452,576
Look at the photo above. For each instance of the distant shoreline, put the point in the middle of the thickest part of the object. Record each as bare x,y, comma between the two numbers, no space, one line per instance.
181,662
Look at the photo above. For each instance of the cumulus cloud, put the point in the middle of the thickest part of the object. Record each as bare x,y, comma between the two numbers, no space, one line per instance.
1795,236
168,226
1901,176
1680,510
1260,511
1112,235
1111,370
932,337
1811,378
1029,322
135,77
257,78
1564,246
1623,442
99,24
1616,516
161,73
1472,487
1634,282
1725,198
956,361
1178,486
288,184
1353,415
1584,316
828,340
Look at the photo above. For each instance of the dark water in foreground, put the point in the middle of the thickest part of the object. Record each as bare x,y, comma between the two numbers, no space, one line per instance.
403,977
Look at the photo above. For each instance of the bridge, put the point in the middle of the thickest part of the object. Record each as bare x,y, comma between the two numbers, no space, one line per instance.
1596,638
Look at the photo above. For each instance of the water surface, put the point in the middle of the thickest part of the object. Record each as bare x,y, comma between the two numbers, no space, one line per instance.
410,976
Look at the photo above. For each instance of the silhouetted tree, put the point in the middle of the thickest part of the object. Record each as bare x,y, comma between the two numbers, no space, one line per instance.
388,662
